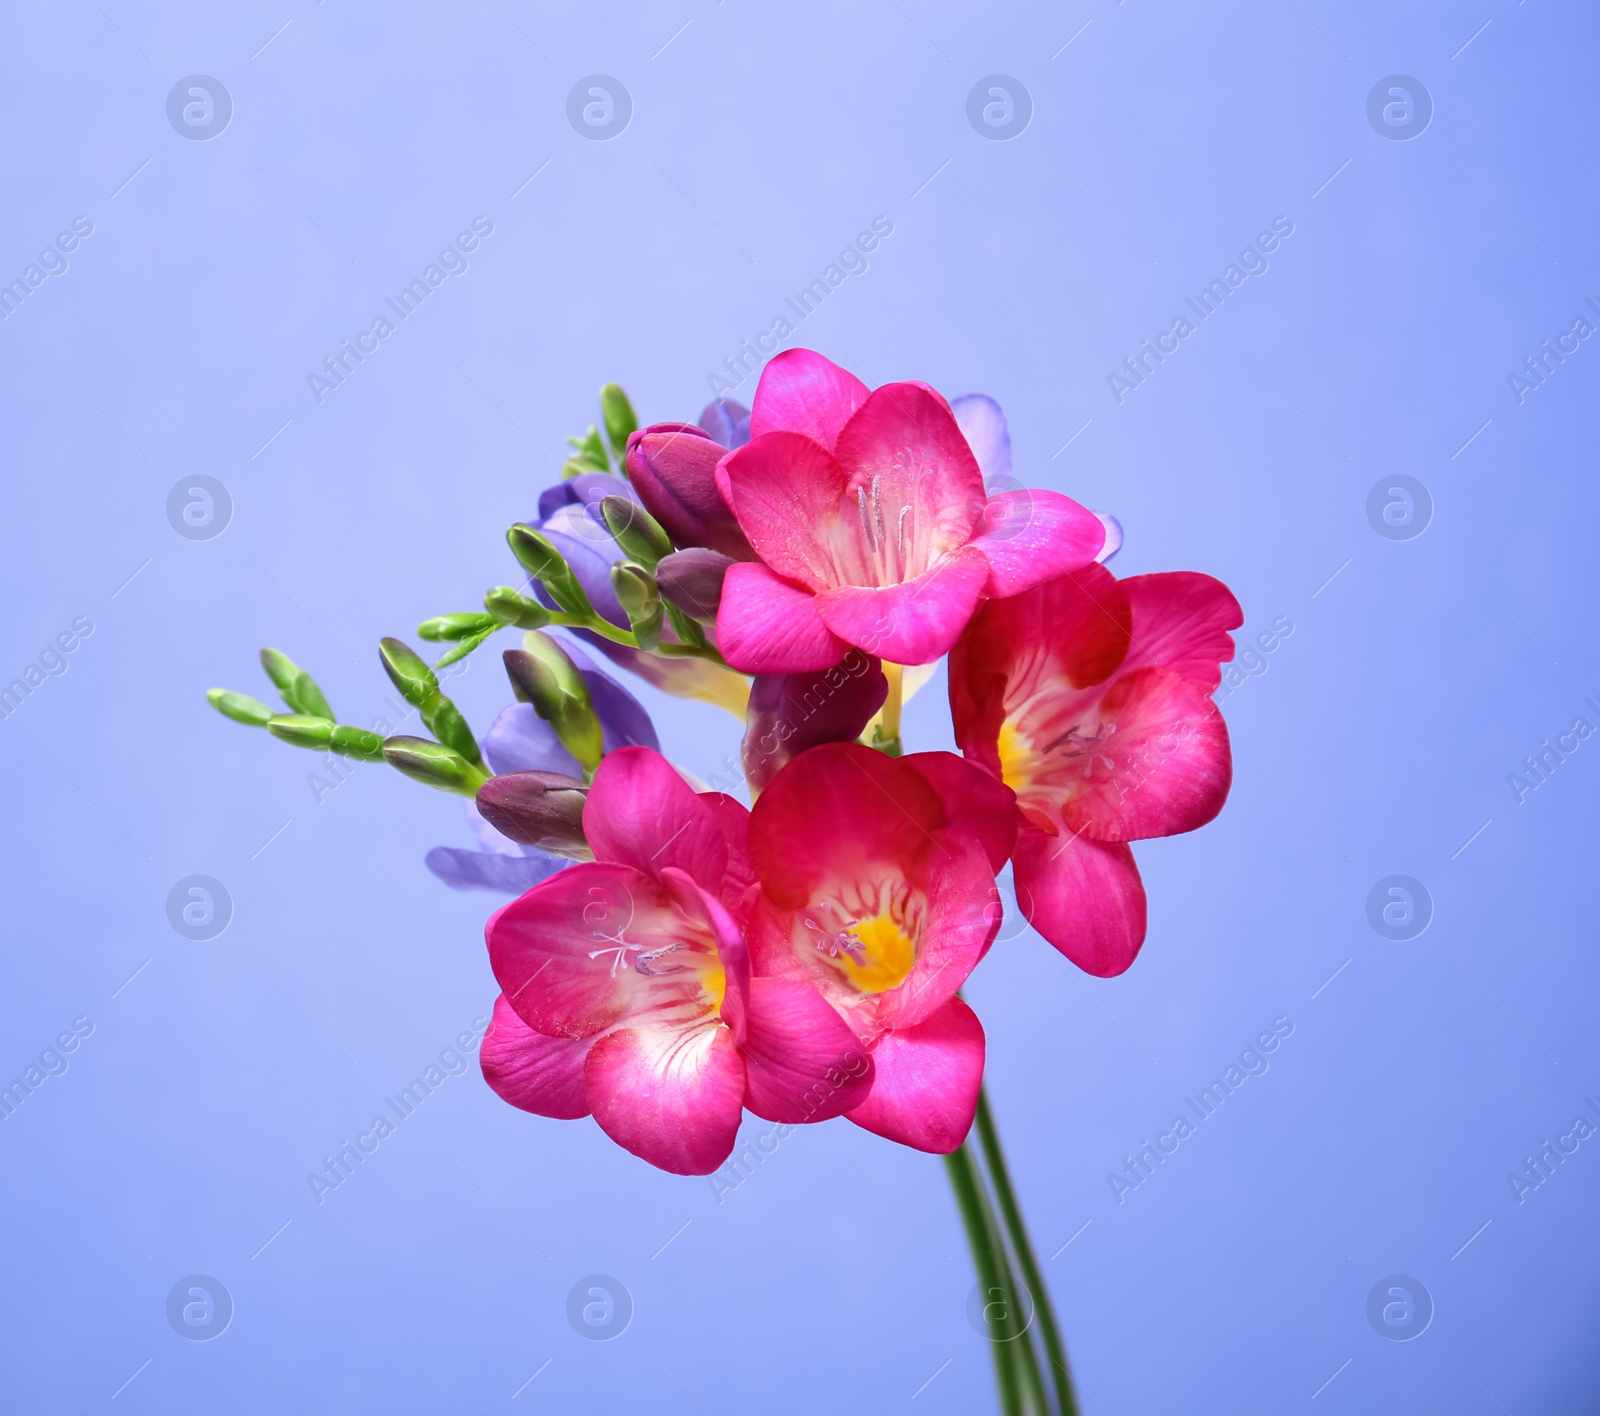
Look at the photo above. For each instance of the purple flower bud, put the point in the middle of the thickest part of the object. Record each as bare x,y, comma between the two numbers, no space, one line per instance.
692,580
541,809
673,470
790,712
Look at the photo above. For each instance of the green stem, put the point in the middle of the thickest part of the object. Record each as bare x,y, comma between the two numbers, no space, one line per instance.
981,1238
1000,1177
1015,1346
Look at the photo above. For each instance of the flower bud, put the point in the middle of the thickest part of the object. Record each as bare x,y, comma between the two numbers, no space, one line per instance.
541,809
298,689
508,607
589,457
637,532
673,469
636,593
538,556
692,581
420,689
544,676
302,730
434,764
462,626
240,707
620,419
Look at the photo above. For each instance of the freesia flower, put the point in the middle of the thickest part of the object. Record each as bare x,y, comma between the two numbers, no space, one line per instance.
521,741
1091,698
868,510
877,890
626,988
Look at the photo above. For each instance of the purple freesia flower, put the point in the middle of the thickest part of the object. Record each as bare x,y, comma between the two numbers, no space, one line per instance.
519,740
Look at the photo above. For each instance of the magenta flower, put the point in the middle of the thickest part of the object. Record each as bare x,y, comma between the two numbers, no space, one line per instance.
877,890
1091,697
869,513
626,989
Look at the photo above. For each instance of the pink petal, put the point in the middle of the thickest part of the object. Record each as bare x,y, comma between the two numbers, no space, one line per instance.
640,812
1181,621
786,491
802,392
1030,536
768,626
925,1088
911,623
802,1062
671,1096
975,801
540,1074
1084,896
903,449
702,906
733,820
1162,764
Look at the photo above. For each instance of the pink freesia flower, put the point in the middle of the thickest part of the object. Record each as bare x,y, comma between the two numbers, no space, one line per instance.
626,989
877,891
868,510
1091,697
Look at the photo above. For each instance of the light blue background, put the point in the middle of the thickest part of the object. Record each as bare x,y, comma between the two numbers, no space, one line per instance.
1165,135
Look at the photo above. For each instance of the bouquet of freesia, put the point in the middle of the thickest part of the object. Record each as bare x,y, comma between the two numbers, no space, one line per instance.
672,958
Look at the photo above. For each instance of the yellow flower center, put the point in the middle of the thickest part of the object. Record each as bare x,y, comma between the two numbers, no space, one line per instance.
1017,755
714,984
887,954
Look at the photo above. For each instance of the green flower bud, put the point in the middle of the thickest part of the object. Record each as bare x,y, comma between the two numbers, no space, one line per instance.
297,688
364,746
543,675
619,418
640,601
635,530
302,730
434,764
539,557
508,607
420,689
240,707
456,626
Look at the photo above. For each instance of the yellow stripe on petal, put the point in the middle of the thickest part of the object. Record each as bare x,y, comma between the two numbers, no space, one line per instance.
887,953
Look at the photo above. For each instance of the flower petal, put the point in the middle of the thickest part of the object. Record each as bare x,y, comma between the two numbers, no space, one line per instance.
672,1097
583,490
519,740
983,425
911,623
802,392
903,448
1181,621
786,491
540,1074
726,421
766,625
641,813
802,1062
975,801
1084,896
925,1086
683,678
1032,535
490,870
1161,764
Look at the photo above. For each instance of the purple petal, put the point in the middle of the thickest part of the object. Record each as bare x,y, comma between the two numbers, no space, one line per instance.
590,551
790,712
1113,536
984,427
485,870
581,491
727,422
519,740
